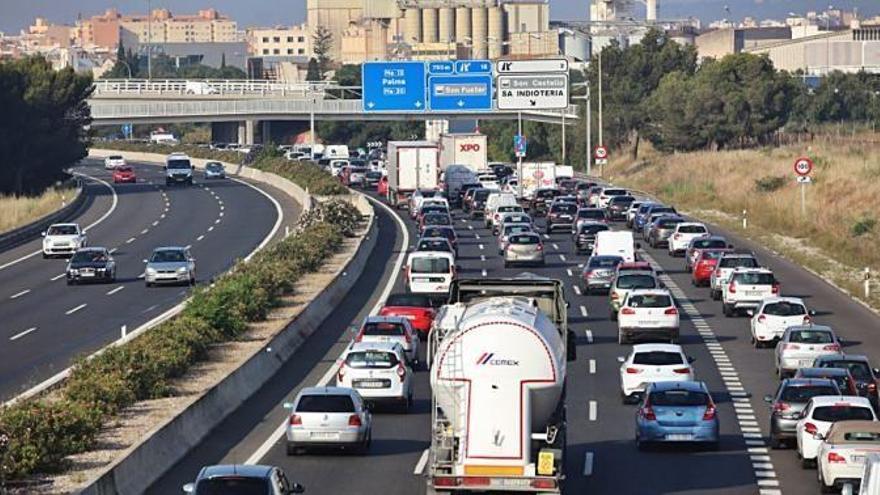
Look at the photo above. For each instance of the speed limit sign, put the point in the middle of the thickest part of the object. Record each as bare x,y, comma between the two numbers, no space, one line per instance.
601,152
803,166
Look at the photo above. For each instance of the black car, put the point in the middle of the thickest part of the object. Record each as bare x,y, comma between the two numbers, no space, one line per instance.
568,186
542,199
241,479
442,231
859,367
91,264
478,203
371,179
561,215
463,191
586,235
501,170
617,207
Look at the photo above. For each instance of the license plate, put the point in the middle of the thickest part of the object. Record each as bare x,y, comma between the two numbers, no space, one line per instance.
805,363
753,293
324,435
421,279
679,437
859,459
87,274
370,384
646,323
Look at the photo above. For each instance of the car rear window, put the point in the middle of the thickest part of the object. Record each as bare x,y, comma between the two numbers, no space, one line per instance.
516,229
429,265
862,436
90,256
604,261
384,329
665,209
591,213
547,193
437,219
509,208
524,239
516,219
811,337
679,398
805,393
649,301
325,404
115,157
482,194
692,229
754,278
842,412
858,369
709,243
622,200
658,358
124,168
784,309
414,300
614,192
564,208
593,229
433,246
636,282
439,232
233,485
739,262
669,222
371,360
711,255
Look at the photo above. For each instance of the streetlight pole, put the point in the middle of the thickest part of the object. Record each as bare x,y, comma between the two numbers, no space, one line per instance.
601,141
589,117
563,137
519,167
149,39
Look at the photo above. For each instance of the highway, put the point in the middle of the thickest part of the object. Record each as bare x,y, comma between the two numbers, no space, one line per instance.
601,455
47,323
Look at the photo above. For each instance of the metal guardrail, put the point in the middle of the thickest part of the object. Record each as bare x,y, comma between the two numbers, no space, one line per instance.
31,231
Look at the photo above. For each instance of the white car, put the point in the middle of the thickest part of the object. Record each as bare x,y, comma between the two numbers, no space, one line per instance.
682,234
724,269
774,315
647,313
113,161
631,212
800,345
419,195
328,417
607,193
820,413
746,289
649,363
390,329
63,239
429,272
843,452
493,221
336,166
378,371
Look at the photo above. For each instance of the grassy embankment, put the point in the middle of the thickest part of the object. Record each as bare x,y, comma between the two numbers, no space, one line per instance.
16,211
838,236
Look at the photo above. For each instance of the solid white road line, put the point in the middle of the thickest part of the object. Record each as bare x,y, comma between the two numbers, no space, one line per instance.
577,290
423,461
476,236
56,277
588,464
483,258
481,247
570,273
114,291
278,219
74,310
100,219
19,294
22,334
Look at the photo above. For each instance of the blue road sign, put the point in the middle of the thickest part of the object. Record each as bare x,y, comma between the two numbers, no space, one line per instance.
393,86
473,67
441,67
458,92
520,144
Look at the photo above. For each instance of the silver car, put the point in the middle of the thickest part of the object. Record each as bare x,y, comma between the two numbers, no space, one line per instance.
508,230
215,170
328,417
801,345
170,265
524,248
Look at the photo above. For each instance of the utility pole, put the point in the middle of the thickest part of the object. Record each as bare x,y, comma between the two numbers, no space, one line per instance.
601,141
563,137
149,39
589,117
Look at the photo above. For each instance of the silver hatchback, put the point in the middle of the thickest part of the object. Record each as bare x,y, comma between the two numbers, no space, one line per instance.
170,265
328,417
524,248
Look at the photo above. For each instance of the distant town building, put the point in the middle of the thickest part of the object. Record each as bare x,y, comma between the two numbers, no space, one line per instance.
279,41
720,42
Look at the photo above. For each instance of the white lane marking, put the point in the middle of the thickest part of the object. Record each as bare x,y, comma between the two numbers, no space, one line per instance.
113,250
188,246
562,257
114,291
217,221
199,238
162,216
577,290
130,240
221,214
546,236
19,294
476,236
222,207
481,247
279,218
483,258
470,227
555,246
22,334
589,334
141,275
484,273
584,311
263,449
74,310
155,223
144,231
588,464
210,228
592,366
570,273
100,219
56,277
594,413
423,461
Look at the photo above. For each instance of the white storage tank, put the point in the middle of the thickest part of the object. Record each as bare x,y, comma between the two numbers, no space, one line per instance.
412,26
498,376
429,25
462,25
446,24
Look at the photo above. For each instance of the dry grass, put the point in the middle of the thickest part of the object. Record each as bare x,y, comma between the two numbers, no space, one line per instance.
16,211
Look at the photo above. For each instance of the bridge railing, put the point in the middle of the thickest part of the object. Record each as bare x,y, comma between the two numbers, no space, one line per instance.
218,87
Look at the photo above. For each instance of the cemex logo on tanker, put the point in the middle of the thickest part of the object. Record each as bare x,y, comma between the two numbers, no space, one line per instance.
486,358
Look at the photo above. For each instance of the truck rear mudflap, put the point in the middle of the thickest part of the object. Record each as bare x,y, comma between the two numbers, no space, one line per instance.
506,484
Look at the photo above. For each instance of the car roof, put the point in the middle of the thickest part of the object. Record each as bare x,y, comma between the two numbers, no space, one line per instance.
821,372
830,400
692,386
376,346
844,357
326,391
245,470
656,347
806,381
638,272
819,328
650,292
385,319
788,299
691,224
759,269
430,254
91,248
739,254
68,224
169,248
838,431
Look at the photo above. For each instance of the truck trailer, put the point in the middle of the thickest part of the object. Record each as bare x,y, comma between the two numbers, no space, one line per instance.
468,149
411,165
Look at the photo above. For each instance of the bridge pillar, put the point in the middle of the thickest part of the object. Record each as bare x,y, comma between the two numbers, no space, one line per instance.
224,132
266,132
246,132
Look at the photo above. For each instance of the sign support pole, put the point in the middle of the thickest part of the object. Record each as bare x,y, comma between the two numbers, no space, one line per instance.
519,168
589,118
563,137
804,199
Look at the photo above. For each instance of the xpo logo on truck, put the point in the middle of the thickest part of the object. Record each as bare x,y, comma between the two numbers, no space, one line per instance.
487,359
469,147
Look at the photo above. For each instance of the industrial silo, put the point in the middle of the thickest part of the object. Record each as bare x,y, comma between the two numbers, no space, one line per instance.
412,26
496,33
462,24
446,24
429,25
480,31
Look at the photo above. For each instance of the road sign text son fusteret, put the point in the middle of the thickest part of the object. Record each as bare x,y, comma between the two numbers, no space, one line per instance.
393,82
535,87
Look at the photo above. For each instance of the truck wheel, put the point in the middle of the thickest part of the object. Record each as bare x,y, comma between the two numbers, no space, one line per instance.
621,339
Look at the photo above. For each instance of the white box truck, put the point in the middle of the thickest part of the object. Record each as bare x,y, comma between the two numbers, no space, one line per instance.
411,165
498,355
566,171
536,175
468,149
615,243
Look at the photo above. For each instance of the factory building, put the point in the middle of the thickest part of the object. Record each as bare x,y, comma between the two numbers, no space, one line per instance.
851,50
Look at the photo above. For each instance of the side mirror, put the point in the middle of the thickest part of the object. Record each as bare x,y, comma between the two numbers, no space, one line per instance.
621,359
297,488
691,359
146,261
84,232
43,233
768,399
818,436
811,312
189,488
750,312
287,405
876,371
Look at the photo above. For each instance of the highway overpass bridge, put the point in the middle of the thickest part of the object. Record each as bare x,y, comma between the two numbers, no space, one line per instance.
247,103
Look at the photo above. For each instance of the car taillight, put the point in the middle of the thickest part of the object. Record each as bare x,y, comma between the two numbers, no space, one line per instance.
872,387
811,428
671,311
836,458
544,484
588,274
340,374
627,311
717,272
682,371
540,247
647,413
354,420
776,288
710,412
633,371
677,236
731,288
762,318
359,337
781,406
401,371
446,481
832,347
296,420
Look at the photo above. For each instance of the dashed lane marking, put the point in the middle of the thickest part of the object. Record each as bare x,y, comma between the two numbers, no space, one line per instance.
199,238
584,311
589,334
19,294
22,334
130,240
56,277
592,366
74,310
588,464
593,411
114,291
423,461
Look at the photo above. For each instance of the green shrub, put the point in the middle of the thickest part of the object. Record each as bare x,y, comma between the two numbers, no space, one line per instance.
863,226
769,183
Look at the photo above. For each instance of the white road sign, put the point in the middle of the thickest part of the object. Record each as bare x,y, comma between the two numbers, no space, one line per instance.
532,92
804,179
559,65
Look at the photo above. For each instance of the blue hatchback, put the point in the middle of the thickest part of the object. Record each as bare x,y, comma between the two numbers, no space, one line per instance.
677,412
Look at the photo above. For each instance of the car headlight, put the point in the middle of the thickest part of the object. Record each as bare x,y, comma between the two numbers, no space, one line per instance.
73,271
181,269
151,271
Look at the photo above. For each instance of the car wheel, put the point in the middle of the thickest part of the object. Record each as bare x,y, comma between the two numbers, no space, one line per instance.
806,463
823,488
70,282
45,256
641,445
148,284
725,308
292,449
715,294
506,264
612,315
776,443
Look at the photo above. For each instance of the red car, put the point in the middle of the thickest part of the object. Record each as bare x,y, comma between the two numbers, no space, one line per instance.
706,261
124,173
418,308
382,188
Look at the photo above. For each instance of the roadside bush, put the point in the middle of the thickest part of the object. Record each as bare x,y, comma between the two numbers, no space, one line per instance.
863,226
769,183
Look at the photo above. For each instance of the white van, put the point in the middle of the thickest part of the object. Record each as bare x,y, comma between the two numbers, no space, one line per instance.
336,166
495,200
200,88
430,272
336,151
615,243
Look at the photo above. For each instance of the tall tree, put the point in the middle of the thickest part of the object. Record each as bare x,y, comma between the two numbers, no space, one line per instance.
313,73
322,44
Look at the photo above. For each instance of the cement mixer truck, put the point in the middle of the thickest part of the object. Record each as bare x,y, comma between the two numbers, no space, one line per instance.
498,353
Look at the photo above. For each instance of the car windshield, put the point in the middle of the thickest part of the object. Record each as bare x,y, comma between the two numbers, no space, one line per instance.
233,485
604,261
62,230
858,369
564,208
842,412
167,256
516,229
679,398
636,281
649,301
593,229
811,337
591,213
614,192
412,300
546,193
371,359
433,245
384,329
804,394
89,257
325,404
524,239
114,157
739,262
658,358
665,223
429,265
691,229
506,209
784,308
179,164
437,219
709,243
516,219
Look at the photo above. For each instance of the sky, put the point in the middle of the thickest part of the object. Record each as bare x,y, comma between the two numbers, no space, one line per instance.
18,14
